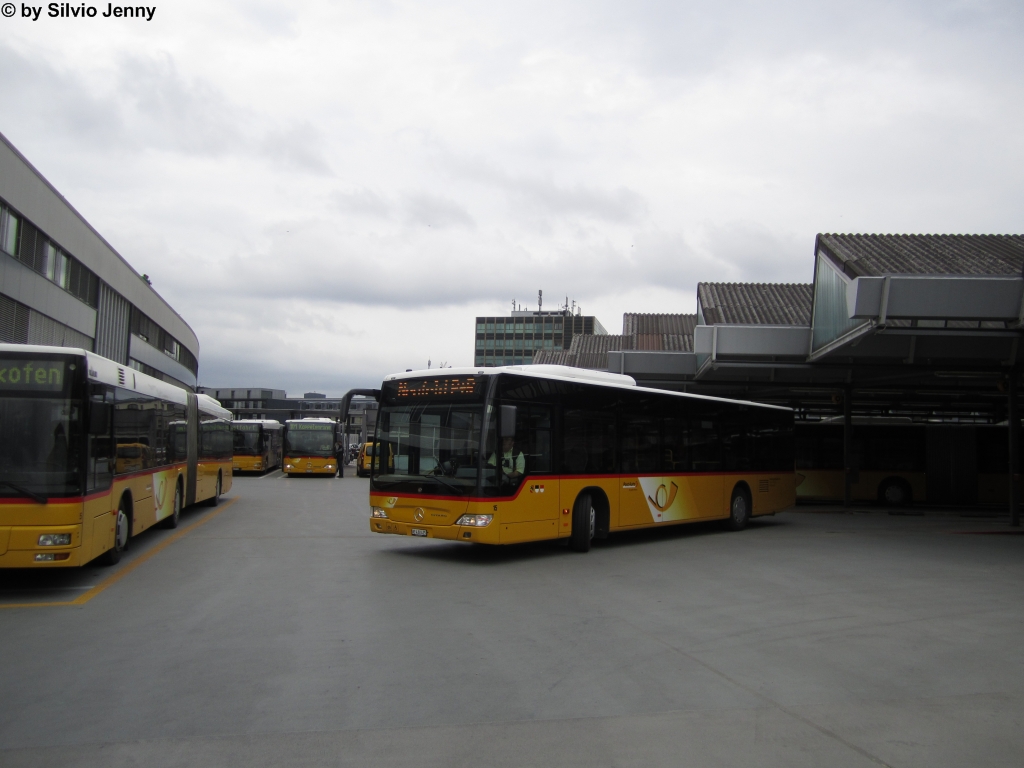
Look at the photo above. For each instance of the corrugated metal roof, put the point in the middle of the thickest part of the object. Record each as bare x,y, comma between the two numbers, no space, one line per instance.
554,357
859,255
592,351
755,303
636,323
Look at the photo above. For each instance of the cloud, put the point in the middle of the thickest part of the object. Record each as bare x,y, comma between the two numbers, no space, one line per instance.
333,191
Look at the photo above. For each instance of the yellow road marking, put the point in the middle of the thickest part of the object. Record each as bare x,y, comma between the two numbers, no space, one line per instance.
122,572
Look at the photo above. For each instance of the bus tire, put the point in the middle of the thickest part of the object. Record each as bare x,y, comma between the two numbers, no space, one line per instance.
122,534
739,509
895,492
583,522
175,518
214,500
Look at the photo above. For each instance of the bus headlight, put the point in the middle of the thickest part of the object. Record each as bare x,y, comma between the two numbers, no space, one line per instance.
54,539
328,466
288,466
378,512
476,521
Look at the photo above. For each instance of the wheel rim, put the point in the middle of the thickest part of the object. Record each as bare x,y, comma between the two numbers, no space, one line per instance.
593,522
739,508
177,502
121,532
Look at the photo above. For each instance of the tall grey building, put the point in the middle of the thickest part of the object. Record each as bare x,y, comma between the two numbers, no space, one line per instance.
63,284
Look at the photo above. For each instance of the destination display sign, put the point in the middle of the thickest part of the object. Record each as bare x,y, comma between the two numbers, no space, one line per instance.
310,427
439,387
246,427
33,375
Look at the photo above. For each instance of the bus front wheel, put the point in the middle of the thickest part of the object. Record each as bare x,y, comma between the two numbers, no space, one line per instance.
122,532
175,517
739,510
584,519
895,492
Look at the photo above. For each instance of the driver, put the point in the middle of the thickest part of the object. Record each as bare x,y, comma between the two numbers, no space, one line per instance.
512,465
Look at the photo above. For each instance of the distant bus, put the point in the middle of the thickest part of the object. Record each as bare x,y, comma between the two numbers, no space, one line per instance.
92,453
903,463
505,455
309,447
258,444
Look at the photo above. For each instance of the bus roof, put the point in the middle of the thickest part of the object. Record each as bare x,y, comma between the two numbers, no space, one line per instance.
267,423
102,370
568,373
311,420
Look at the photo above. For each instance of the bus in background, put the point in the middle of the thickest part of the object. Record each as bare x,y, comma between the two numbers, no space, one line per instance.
92,453
309,447
508,455
258,444
900,463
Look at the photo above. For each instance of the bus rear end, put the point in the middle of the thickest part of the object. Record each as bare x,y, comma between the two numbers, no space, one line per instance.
43,459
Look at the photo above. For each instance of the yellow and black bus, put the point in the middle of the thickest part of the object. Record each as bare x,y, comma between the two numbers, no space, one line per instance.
514,454
896,463
310,447
258,444
93,452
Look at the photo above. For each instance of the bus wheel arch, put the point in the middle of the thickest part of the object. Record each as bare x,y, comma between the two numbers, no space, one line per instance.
895,492
740,506
584,521
603,512
172,520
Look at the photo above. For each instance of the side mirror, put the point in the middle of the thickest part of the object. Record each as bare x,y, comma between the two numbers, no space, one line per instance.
99,418
507,423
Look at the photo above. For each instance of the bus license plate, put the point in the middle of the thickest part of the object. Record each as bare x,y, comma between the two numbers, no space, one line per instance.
419,532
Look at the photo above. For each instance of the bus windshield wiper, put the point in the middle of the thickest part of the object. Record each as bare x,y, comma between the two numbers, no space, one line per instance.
38,498
440,479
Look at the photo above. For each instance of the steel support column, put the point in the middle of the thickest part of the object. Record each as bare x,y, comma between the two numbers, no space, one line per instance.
847,447
1013,429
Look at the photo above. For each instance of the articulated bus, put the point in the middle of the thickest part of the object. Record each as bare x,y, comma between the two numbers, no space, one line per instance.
93,453
899,463
513,454
258,444
309,447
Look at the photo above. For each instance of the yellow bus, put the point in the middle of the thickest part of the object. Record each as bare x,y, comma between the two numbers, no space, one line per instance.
258,444
310,447
513,454
897,463
92,453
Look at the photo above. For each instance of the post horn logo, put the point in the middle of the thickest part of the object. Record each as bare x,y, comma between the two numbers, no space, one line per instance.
418,515
663,497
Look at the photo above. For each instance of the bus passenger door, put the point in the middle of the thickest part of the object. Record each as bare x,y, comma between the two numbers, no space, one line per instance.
534,512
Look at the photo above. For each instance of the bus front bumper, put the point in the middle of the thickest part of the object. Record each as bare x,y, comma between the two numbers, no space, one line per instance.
20,548
485,535
247,464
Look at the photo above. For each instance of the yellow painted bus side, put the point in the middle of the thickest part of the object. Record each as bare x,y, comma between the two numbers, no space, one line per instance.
542,507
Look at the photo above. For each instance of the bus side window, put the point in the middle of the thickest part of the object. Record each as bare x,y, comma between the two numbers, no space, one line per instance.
100,459
588,442
706,450
674,448
639,443
533,437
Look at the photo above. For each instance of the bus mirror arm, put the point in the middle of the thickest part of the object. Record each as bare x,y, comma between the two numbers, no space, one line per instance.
99,419
507,423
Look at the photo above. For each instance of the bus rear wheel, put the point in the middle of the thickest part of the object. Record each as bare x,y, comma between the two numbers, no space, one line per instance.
584,519
215,499
739,510
175,518
895,492
122,532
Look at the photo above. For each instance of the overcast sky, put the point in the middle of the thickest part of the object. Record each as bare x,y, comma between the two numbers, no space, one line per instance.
331,191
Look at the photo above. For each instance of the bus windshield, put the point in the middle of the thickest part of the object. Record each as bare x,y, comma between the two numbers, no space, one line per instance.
39,446
247,440
428,447
309,440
